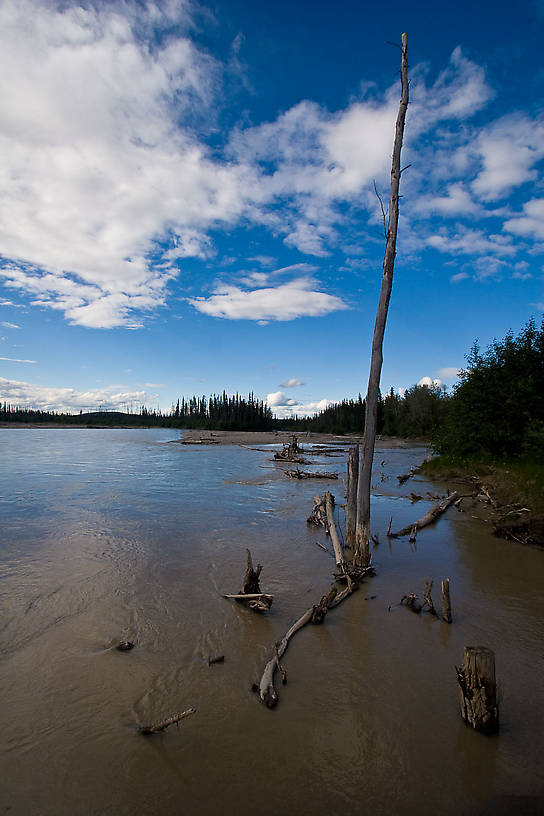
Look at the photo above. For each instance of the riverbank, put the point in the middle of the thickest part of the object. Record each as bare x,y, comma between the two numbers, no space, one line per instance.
514,490
198,436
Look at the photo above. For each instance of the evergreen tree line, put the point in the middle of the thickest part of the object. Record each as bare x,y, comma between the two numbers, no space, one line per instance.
496,409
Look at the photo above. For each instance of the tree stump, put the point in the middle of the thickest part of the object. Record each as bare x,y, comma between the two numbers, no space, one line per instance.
478,689
446,602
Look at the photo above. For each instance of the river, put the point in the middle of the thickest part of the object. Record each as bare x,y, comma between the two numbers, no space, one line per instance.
112,534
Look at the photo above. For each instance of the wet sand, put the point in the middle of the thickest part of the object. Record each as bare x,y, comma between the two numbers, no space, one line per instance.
277,437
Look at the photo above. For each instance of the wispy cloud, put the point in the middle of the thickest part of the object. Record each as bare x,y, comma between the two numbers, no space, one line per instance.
7,325
291,383
13,360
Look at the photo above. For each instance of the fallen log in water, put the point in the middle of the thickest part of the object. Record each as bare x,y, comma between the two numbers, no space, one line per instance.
296,473
431,515
318,515
315,614
478,689
164,724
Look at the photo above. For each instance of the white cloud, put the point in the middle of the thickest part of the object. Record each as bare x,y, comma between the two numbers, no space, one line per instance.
457,202
7,325
47,398
459,276
448,373
291,383
297,298
12,360
531,222
470,242
429,382
508,151
283,406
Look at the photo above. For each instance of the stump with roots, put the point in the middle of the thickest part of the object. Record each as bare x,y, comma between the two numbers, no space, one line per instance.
478,689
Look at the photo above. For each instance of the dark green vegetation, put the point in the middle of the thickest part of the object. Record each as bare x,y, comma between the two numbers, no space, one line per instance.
495,413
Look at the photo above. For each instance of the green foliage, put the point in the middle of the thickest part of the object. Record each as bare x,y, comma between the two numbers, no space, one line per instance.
497,409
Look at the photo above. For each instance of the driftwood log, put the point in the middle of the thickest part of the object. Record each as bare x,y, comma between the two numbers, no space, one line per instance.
431,515
315,614
318,516
290,452
251,594
164,724
296,473
478,689
333,532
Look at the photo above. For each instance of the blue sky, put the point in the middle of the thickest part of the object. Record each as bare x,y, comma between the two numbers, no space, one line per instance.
187,196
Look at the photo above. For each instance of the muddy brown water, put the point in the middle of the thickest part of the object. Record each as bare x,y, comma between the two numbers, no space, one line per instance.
112,535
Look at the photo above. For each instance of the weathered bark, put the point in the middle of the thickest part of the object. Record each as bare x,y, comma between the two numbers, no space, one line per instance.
351,506
478,689
164,724
446,602
318,516
427,599
251,594
362,549
431,515
337,546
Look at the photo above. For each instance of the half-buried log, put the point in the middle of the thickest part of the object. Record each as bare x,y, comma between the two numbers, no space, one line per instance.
164,724
434,513
296,473
478,689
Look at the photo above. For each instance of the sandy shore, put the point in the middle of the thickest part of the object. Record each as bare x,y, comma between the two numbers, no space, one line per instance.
276,437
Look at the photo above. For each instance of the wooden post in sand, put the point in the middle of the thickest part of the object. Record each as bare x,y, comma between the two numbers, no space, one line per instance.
446,602
478,689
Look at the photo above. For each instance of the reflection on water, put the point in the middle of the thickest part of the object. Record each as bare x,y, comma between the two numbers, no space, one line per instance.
109,535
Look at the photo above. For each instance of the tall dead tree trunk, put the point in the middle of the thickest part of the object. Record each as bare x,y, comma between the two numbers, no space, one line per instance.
362,550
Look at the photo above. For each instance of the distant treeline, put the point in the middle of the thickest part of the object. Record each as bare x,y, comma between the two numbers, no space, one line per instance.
496,409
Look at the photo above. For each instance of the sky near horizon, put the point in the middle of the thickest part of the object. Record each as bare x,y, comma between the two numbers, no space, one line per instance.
187,196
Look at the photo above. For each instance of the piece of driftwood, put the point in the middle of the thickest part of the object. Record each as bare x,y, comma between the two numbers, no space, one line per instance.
405,476
250,594
125,646
412,602
430,516
529,530
296,473
318,516
478,689
333,532
446,602
267,692
427,598
291,451
217,659
351,499
164,724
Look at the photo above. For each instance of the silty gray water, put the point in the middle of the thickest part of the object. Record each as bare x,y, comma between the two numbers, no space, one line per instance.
116,534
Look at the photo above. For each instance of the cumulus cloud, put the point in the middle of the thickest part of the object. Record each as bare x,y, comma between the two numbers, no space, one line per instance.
531,222
107,193
291,383
467,241
508,151
296,298
46,398
429,382
283,406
